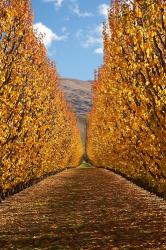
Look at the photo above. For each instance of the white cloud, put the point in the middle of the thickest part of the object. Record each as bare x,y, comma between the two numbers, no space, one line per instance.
52,52
79,34
66,19
91,41
103,10
99,30
90,37
98,51
58,3
48,36
64,29
75,8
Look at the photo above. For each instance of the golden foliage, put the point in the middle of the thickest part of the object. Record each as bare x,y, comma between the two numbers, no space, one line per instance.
126,126
38,132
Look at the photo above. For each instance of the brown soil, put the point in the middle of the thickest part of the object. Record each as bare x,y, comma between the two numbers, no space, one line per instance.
83,208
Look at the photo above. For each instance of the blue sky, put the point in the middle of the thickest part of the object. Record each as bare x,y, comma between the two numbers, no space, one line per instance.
72,34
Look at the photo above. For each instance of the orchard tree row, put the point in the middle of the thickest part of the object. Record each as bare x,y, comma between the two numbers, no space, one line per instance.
38,132
126,126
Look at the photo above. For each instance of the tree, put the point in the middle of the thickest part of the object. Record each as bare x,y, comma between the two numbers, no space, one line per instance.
38,131
127,121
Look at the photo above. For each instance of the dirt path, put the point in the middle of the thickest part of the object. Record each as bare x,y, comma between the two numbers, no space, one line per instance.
84,208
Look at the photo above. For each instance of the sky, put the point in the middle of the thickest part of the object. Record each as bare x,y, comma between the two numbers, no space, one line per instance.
72,34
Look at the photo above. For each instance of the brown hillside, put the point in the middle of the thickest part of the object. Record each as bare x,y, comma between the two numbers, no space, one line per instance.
78,94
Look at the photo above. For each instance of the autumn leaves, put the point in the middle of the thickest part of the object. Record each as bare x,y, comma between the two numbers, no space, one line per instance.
126,127
38,133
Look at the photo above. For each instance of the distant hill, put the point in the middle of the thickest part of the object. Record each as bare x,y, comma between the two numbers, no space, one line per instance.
78,94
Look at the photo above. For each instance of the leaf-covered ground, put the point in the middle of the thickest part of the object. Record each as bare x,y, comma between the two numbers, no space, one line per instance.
83,208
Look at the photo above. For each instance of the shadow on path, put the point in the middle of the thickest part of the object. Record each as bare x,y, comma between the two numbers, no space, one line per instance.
83,208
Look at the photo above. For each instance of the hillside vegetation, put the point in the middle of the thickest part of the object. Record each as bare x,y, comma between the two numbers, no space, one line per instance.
78,95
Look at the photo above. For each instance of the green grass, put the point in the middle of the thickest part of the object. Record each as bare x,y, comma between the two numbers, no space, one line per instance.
84,165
